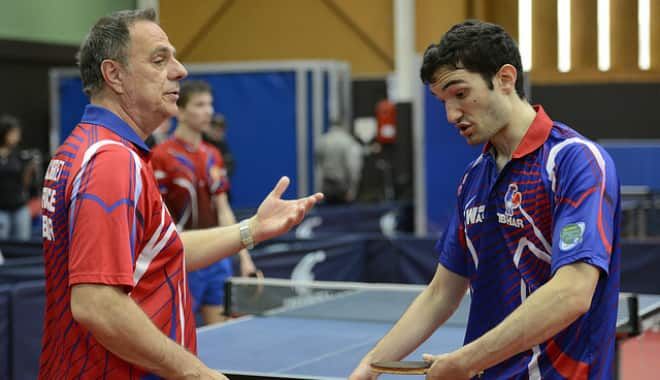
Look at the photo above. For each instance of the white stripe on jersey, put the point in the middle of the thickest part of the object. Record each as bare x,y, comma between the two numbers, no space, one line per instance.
87,156
152,248
552,156
191,209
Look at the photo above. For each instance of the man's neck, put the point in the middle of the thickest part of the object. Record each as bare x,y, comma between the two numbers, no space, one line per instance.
188,135
139,126
506,141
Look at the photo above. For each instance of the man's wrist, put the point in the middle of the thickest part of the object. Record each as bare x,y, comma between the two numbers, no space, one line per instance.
254,226
466,361
246,233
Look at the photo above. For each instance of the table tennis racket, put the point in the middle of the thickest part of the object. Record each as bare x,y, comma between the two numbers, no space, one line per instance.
401,367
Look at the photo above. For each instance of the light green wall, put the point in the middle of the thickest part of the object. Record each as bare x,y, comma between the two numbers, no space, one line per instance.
53,21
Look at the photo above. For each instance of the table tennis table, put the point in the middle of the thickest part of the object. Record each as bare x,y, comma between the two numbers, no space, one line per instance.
310,333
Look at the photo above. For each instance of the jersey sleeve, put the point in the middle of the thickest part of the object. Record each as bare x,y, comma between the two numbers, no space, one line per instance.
103,217
216,172
586,197
451,247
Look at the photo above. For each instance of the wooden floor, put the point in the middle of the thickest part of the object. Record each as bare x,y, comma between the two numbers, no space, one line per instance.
640,357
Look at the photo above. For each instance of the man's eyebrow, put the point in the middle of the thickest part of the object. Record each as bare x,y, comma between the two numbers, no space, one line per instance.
435,85
452,82
164,49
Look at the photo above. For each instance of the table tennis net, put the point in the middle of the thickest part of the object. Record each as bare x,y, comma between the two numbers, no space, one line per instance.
324,300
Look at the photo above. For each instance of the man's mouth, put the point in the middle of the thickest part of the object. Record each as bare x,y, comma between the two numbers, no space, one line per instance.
465,129
174,93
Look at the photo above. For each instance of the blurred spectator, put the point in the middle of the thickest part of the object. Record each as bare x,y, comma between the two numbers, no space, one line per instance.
338,165
194,184
216,135
17,171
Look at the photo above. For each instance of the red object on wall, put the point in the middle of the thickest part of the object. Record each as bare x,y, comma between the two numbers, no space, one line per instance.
386,119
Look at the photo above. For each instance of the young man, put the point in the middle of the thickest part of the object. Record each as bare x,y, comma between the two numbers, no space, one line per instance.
117,299
194,184
534,236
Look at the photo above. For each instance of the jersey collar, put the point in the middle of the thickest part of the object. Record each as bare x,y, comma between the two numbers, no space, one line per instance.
103,117
185,144
535,136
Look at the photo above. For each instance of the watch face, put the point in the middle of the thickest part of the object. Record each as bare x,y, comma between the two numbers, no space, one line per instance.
246,234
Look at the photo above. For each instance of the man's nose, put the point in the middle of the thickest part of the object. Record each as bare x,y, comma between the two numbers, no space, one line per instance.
178,70
454,114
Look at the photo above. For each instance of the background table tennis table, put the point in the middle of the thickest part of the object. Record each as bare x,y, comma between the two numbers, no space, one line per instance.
326,338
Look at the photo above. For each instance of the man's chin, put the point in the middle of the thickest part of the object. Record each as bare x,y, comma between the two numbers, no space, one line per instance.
171,111
475,140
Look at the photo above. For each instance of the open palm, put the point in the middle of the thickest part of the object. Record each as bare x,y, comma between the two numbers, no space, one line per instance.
276,216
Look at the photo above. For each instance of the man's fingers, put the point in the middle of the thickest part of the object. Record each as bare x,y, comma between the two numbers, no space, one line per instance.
308,204
310,201
428,357
301,213
281,186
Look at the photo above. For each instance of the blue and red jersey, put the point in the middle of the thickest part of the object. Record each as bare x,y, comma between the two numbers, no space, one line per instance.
104,222
189,177
555,203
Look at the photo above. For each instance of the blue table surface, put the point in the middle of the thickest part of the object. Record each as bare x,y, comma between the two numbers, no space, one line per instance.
327,339
310,347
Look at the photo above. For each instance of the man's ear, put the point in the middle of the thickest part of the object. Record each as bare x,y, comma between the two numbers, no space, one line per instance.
113,75
506,78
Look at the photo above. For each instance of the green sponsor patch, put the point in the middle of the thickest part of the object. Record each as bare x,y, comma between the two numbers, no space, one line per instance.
571,235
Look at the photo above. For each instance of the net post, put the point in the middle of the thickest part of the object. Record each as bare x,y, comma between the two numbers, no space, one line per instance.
228,298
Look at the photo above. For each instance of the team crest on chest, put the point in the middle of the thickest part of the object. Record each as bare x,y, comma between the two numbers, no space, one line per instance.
512,201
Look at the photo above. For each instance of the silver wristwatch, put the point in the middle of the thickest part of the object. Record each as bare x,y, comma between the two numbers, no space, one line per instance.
246,234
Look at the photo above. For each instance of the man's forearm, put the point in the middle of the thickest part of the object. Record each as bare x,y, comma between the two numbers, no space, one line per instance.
429,310
274,217
226,217
415,326
120,326
546,312
204,247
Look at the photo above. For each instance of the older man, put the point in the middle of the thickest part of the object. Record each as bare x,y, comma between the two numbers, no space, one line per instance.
118,305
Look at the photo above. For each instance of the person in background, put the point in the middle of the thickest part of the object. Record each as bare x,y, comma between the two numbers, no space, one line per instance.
193,181
16,176
217,136
338,157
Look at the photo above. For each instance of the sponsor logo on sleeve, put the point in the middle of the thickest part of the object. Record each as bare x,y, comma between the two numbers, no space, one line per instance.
571,235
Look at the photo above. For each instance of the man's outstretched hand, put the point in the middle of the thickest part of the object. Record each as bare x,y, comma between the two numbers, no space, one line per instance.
276,216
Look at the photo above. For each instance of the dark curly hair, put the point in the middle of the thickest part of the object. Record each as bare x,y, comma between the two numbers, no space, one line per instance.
476,46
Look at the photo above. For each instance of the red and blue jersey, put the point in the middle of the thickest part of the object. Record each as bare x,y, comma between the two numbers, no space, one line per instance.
555,203
104,222
189,177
